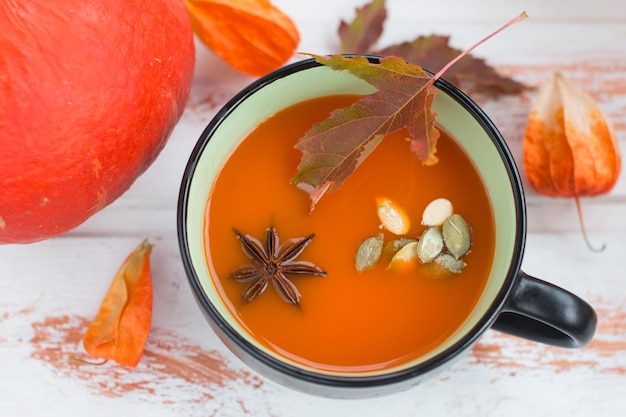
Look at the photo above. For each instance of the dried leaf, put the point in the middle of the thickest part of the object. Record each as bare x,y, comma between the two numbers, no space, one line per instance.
430,52
121,327
334,148
252,36
434,51
362,33
569,147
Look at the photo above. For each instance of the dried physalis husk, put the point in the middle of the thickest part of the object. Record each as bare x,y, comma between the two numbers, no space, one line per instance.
368,253
457,236
392,216
253,36
436,212
570,148
430,244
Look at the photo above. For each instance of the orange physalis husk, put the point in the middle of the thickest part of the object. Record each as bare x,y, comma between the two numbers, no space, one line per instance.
252,36
121,327
569,147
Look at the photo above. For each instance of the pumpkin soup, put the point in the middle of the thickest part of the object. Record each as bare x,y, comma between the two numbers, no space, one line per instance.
342,320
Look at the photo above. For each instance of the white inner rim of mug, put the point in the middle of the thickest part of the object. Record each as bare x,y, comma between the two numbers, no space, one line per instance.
321,81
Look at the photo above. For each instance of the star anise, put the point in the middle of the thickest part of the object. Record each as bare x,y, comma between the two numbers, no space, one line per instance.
274,262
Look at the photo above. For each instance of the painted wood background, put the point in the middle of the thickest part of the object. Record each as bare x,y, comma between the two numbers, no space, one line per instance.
50,290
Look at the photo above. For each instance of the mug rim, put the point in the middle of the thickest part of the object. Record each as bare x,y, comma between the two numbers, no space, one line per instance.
354,380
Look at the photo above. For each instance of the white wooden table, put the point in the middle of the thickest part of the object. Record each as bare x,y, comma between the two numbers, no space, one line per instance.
50,290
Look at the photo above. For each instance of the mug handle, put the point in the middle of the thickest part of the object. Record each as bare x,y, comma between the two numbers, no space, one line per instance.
542,312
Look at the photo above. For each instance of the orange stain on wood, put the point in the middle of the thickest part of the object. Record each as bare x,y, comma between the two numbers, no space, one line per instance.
172,368
606,353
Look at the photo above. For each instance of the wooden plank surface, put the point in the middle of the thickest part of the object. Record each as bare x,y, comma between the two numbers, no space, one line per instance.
50,290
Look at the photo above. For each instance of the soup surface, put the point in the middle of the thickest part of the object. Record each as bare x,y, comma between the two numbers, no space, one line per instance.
346,321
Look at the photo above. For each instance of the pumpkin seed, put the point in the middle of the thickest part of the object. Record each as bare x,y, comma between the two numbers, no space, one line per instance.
368,253
430,244
392,216
450,263
395,245
404,256
456,235
436,212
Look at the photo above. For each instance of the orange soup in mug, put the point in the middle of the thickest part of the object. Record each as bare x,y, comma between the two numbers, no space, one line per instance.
357,333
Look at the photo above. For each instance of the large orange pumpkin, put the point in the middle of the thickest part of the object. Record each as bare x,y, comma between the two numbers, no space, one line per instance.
90,90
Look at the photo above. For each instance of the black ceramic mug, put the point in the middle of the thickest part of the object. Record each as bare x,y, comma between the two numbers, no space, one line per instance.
512,301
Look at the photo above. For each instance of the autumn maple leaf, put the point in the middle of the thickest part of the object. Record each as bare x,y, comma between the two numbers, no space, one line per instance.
363,32
432,52
334,148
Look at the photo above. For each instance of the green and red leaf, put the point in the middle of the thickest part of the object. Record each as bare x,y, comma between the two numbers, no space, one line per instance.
365,29
335,147
433,52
